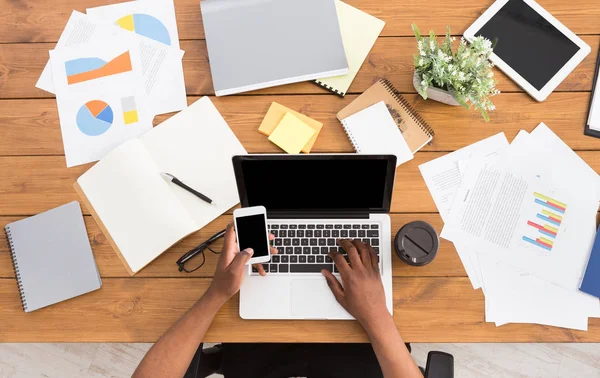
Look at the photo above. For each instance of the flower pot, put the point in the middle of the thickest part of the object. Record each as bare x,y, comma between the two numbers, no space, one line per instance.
436,94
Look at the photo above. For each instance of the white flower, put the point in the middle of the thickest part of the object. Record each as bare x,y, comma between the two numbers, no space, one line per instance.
421,62
432,45
452,39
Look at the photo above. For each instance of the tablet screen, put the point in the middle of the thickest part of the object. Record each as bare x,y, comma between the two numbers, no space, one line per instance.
528,43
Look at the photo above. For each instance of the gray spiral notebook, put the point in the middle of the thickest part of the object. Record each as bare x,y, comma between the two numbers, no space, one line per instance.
52,257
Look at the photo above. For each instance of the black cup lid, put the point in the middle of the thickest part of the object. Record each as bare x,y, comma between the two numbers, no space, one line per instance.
417,243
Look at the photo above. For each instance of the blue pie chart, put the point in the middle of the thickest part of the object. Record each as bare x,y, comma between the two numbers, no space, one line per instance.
94,118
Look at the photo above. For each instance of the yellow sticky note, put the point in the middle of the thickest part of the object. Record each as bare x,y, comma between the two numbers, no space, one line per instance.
130,117
291,134
275,115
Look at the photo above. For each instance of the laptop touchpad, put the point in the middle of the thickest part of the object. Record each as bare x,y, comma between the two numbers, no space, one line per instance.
312,299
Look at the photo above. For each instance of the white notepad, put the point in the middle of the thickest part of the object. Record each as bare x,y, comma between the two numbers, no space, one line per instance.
143,213
373,131
359,33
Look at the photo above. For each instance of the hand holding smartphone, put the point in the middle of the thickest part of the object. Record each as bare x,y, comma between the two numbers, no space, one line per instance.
251,232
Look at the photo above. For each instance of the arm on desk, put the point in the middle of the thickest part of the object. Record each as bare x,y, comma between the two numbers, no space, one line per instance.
173,352
362,296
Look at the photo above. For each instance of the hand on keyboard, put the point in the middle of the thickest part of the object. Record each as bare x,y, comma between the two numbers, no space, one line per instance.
361,292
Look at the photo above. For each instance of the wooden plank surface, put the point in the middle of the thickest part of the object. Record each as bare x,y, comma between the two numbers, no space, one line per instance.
390,57
43,182
43,21
31,127
446,263
434,303
425,309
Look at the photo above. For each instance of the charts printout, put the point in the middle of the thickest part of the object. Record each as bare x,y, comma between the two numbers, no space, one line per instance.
100,97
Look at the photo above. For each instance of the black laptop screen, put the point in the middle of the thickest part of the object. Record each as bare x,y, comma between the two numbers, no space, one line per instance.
319,183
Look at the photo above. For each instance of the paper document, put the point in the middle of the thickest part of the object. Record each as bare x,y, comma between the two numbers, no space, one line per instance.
100,97
154,19
512,297
521,211
162,67
79,30
443,175
522,219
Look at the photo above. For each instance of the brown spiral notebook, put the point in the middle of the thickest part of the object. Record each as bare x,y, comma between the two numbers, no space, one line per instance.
415,130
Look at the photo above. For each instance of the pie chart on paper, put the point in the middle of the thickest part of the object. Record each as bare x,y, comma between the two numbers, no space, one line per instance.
94,118
146,25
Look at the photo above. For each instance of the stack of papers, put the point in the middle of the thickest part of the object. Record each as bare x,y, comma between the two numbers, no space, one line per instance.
112,70
523,220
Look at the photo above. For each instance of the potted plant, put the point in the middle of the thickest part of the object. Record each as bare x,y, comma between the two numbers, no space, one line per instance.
464,77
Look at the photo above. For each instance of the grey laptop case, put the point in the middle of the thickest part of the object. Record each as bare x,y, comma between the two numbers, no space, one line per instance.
52,257
255,44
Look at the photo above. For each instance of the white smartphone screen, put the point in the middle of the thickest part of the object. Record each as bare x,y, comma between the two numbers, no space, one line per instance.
251,230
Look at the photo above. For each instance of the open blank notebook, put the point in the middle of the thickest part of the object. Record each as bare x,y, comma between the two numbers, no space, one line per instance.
52,257
144,214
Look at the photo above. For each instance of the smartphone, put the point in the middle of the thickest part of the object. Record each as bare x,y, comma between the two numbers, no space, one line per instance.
251,232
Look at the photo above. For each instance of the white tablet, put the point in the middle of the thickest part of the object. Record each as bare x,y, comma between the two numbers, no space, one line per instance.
534,48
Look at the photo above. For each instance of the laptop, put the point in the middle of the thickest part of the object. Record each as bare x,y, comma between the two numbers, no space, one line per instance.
313,200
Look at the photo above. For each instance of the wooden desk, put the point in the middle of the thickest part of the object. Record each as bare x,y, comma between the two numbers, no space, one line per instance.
434,303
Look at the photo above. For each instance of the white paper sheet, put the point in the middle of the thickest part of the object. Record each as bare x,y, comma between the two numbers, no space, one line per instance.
468,255
154,19
100,97
79,30
512,297
162,66
443,177
497,201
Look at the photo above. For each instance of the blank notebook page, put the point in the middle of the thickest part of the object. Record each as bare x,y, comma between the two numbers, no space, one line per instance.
373,131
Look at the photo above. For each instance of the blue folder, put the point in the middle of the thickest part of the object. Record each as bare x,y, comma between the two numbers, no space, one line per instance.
591,279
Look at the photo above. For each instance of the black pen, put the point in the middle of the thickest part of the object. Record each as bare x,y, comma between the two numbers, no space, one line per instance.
176,181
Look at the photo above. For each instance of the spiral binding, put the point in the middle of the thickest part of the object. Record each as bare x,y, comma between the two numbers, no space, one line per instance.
352,140
16,268
329,88
409,109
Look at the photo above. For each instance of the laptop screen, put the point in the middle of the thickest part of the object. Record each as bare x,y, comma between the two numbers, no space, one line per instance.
324,183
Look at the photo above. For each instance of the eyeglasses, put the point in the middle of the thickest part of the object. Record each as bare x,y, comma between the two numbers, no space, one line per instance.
199,250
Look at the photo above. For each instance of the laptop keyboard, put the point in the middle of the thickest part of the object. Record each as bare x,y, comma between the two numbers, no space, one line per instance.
303,248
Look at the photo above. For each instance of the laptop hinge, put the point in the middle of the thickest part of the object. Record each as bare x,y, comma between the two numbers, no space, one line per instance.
316,215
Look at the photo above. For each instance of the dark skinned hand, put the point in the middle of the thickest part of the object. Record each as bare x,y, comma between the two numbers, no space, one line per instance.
361,291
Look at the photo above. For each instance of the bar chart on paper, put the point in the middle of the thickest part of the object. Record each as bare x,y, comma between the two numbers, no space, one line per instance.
544,227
